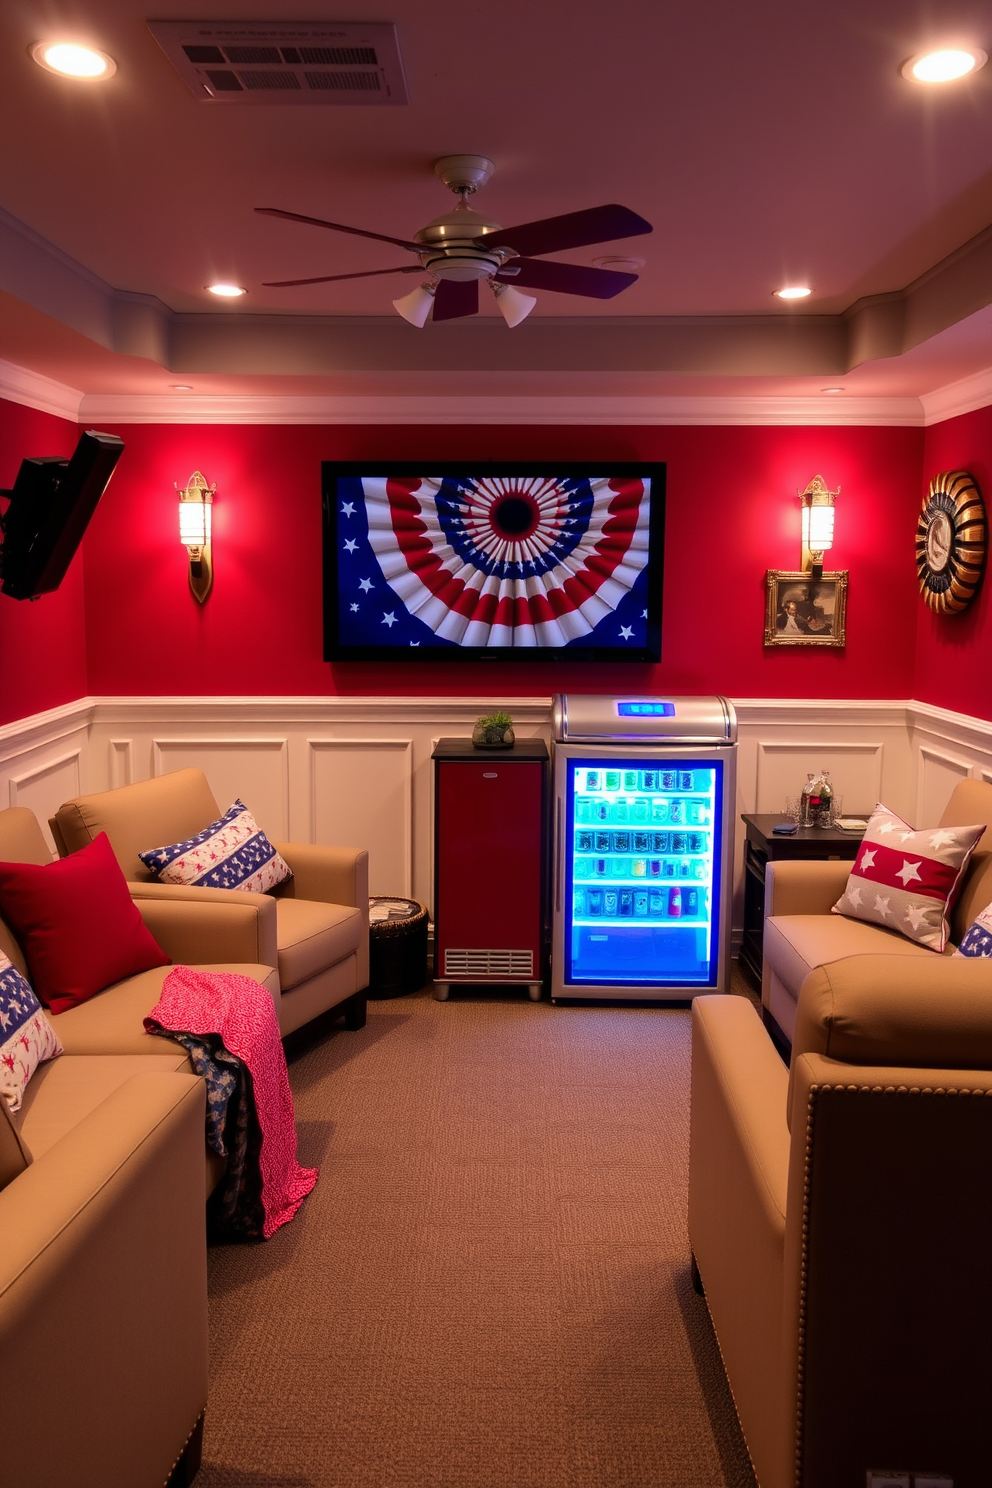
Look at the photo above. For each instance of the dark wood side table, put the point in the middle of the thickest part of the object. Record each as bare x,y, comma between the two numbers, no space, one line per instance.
760,845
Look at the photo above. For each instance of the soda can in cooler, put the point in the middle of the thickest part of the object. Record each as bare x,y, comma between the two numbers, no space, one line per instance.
649,780
610,903
594,902
620,867
697,842
675,902
639,868
621,811
612,779
676,811
583,809
642,842
621,842
657,899
592,780
582,867
696,811
678,842
685,780
669,779
600,868
642,809
669,868
660,843
580,903
583,841
690,898
685,868
604,841
630,780
601,811
641,903
659,809
626,905
654,867
699,866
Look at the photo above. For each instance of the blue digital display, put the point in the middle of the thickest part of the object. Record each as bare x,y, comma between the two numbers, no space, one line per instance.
646,710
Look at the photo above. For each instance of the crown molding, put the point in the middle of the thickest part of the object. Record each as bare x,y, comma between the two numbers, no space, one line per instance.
33,390
958,397
248,409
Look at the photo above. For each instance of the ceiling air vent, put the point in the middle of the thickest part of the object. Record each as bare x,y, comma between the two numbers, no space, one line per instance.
249,62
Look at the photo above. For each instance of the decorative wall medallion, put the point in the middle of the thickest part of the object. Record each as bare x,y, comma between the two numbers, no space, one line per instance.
951,540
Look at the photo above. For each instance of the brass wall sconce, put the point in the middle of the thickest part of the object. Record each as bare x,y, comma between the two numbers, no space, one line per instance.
818,524
195,501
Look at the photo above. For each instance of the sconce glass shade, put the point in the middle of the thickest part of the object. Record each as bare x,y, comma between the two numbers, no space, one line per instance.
416,306
513,306
818,521
195,502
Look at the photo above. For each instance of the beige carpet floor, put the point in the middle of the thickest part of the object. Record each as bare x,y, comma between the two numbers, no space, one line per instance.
489,1286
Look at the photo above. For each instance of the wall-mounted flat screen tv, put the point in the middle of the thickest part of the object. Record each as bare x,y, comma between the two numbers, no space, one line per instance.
523,562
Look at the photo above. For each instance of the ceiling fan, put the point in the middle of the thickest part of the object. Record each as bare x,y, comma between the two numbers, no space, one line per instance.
462,247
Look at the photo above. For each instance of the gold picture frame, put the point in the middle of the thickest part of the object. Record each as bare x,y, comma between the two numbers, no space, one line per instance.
803,611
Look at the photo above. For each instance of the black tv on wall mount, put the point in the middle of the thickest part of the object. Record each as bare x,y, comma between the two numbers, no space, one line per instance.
507,561
49,509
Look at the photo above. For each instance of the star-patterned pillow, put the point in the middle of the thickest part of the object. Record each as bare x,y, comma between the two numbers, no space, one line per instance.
232,853
906,880
26,1036
977,939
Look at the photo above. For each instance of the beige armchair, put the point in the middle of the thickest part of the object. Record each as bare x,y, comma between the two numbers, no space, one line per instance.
320,917
840,1219
801,933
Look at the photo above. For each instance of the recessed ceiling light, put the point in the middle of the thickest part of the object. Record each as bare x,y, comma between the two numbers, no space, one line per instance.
945,65
69,59
619,263
833,390
794,292
227,291
181,387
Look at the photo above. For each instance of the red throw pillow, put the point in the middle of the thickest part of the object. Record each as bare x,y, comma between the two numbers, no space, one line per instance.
77,924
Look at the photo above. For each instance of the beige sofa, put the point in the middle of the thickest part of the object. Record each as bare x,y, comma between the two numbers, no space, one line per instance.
314,928
800,933
840,1218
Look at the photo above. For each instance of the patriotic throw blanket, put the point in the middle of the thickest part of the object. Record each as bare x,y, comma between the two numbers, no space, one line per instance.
228,1025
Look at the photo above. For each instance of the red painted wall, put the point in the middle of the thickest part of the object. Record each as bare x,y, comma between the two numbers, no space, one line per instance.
954,652
732,513
43,641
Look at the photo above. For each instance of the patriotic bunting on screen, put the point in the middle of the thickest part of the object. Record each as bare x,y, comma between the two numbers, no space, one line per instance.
493,561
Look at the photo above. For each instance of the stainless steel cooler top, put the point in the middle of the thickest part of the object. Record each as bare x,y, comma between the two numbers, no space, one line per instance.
643,720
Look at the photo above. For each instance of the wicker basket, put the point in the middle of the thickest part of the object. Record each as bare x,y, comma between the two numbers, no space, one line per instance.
397,946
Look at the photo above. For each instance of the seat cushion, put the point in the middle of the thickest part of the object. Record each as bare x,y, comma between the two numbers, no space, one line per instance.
795,944
311,937
112,1021
67,1089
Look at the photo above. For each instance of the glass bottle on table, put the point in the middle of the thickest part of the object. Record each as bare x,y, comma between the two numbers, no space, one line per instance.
809,805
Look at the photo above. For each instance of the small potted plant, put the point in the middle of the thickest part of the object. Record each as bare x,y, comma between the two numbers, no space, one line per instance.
493,731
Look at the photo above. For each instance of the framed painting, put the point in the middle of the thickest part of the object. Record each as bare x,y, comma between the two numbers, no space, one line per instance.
805,611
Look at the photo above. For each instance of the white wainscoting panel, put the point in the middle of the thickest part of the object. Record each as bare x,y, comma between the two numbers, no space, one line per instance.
121,763
938,773
361,796
855,771
44,787
256,770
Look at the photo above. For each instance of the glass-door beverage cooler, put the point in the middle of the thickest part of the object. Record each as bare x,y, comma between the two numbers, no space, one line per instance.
644,792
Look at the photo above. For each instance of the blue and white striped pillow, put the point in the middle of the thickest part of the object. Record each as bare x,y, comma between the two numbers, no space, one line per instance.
977,940
26,1036
232,853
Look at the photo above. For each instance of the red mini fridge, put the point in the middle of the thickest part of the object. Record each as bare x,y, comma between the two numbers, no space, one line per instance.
490,865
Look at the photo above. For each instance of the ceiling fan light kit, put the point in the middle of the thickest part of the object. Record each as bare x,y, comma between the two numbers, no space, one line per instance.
462,246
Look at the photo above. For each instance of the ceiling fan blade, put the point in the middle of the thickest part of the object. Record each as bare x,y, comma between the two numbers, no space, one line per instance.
573,230
330,278
455,298
358,232
575,279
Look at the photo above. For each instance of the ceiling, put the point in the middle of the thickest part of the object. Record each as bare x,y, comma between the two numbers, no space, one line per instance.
767,144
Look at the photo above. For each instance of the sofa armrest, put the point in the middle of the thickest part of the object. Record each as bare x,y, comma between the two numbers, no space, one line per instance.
103,1278
330,875
738,1185
202,926
803,886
